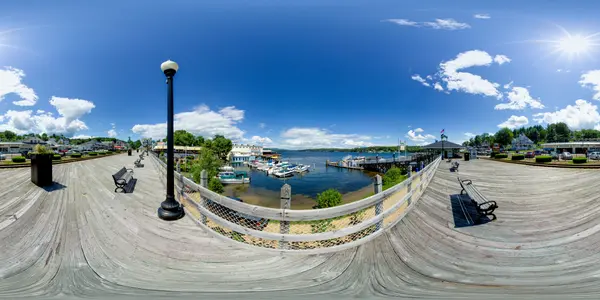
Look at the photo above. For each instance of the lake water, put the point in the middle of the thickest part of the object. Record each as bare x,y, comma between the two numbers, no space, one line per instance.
264,190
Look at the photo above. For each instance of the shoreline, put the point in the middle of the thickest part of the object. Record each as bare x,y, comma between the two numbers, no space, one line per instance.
269,198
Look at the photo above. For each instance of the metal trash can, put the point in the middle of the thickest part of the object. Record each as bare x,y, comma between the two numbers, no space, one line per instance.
466,155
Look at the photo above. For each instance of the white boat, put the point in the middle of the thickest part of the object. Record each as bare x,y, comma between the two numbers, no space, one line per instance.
302,168
227,168
284,172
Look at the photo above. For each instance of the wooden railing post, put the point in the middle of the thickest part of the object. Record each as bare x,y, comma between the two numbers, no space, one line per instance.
379,205
286,203
204,183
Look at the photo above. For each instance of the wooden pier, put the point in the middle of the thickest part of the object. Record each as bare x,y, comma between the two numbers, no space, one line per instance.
337,165
381,165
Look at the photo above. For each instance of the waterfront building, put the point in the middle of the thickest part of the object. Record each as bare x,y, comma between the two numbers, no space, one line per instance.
179,151
241,154
269,155
577,147
449,149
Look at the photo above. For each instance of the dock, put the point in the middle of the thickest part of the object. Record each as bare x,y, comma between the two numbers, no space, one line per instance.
341,166
383,164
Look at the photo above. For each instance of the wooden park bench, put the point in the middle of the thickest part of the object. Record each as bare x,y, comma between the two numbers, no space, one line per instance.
124,180
455,165
138,163
483,205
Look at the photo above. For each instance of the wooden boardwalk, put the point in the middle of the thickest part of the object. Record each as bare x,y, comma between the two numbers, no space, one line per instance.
80,239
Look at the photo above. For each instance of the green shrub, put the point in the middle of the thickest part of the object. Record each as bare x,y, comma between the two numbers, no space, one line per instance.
39,149
18,159
215,185
543,158
328,198
501,156
56,157
101,153
75,155
393,176
517,157
493,154
92,153
579,160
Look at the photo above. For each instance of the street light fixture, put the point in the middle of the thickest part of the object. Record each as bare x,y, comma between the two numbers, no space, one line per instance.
170,208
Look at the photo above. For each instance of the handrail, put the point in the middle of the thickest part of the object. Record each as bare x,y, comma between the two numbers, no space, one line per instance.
301,231
295,214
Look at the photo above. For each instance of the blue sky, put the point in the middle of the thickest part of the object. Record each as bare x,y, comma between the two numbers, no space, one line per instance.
299,74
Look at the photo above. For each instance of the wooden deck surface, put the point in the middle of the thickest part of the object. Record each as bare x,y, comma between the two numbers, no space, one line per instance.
80,239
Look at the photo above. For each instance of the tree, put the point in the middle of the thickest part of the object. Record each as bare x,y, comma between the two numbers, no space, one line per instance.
10,136
199,141
206,161
137,144
328,198
563,133
215,185
221,146
183,138
504,136
130,143
44,136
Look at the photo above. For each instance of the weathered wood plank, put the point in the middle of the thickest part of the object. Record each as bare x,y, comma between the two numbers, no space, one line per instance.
84,240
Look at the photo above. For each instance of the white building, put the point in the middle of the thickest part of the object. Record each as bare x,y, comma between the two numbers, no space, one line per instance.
241,153
522,142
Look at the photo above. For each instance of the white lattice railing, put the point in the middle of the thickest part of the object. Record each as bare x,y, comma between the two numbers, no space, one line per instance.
302,231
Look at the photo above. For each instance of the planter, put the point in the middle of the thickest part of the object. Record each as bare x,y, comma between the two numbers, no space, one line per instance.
41,169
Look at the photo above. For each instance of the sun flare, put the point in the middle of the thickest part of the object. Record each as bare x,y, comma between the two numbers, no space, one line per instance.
574,44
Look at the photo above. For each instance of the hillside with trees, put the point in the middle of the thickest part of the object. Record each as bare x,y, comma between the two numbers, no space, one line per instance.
552,133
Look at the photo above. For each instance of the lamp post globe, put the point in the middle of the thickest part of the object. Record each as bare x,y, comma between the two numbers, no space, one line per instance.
170,208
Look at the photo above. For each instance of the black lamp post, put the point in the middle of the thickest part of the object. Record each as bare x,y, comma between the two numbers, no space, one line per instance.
170,208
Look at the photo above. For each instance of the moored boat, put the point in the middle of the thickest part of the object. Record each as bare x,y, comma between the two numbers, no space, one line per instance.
233,177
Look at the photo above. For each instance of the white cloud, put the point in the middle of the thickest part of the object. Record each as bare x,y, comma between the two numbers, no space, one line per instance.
469,135
112,133
305,138
68,123
11,83
467,82
514,122
582,115
200,121
508,85
232,113
482,16
438,87
519,98
262,125
591,79
501,59
71,109
420,79
257,140
447,24
113,125
419,130
414,136
39,111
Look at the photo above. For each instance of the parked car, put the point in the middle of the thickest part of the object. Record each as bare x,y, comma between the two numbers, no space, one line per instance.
72,152
529,155
566,156
538,152
2,156
239,218
594,155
